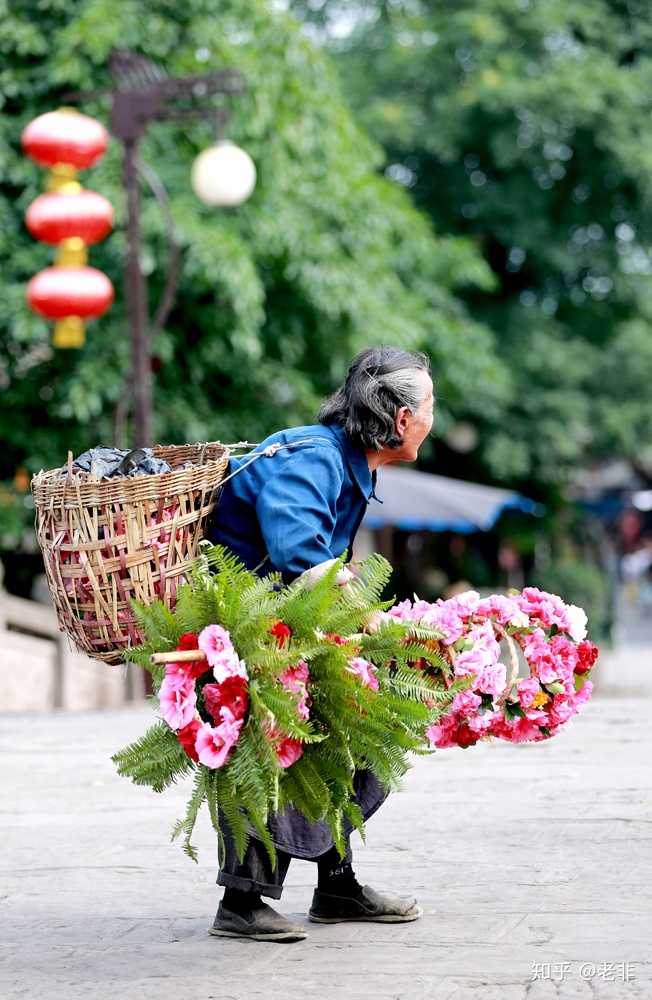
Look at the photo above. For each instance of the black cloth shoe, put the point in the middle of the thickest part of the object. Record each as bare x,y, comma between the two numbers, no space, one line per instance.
367,905
261,923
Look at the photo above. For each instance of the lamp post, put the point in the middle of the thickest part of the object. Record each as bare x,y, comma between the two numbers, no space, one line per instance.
222,175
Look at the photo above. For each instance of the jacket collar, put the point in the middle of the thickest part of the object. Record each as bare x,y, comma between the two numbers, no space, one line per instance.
357,462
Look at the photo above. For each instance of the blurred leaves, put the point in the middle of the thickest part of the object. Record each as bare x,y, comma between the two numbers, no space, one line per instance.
275,296
526,127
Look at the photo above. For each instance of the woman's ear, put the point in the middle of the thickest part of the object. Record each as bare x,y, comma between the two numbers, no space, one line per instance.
402,420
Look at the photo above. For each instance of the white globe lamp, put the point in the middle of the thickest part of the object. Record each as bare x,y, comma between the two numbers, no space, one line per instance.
223,175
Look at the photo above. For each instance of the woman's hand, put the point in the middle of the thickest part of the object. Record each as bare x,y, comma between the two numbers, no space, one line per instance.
315,573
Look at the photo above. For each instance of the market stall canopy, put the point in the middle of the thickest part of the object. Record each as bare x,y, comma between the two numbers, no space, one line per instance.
420,501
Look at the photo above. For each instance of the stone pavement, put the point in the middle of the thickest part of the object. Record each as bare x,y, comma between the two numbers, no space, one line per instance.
518,854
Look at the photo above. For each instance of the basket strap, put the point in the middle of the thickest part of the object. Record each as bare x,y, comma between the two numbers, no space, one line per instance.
267,452
513,655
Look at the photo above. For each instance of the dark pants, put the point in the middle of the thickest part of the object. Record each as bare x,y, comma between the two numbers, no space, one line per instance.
255,873
294,837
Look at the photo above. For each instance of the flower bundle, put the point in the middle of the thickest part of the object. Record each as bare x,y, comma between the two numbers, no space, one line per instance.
225,696
274,696
552,638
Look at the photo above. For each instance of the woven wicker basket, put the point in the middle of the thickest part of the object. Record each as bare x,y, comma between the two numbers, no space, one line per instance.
106,541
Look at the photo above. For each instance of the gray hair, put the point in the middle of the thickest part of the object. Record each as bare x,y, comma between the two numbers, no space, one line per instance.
379,382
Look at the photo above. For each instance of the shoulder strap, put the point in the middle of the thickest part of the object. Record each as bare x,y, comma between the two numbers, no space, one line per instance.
268,452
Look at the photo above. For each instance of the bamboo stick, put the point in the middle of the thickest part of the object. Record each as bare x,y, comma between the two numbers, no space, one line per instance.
178,656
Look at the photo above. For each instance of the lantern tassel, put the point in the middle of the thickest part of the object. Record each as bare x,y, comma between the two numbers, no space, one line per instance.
68,332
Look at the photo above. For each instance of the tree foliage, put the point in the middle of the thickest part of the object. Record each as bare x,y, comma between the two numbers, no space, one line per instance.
327,256
525,126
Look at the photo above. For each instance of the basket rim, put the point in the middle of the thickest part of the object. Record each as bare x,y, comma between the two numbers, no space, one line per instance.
56,480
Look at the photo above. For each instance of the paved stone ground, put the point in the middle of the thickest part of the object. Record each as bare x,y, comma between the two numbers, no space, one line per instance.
518,854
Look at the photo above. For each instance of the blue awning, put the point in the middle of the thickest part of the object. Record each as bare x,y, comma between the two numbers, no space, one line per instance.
420,501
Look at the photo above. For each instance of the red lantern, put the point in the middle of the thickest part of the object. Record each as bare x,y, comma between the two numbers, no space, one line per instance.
66,137
70,294
70,218
70,291
56,217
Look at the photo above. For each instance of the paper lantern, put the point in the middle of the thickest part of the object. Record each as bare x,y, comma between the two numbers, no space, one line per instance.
69,218
56,217
223,175
70,295
65,136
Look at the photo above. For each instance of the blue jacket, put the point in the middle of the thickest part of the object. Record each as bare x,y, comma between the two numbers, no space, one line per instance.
298,507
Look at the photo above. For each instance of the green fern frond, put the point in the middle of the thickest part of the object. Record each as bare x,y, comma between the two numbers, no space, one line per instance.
157,622
187,824
157,759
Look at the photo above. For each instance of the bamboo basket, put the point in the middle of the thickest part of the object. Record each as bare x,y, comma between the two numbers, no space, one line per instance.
106,541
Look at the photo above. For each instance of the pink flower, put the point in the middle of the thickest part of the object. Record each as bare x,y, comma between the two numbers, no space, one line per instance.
565,653
463,604
288,751
191,668
445,620
230,725
402,612
212,750
466,702
295,679
504,609
484,653
365,671
177,698
438,616
216,643
492,679
482,723
560,710
528,689
222,657
564,706
484,638
214,743
471,661
540,657
583,694
547,608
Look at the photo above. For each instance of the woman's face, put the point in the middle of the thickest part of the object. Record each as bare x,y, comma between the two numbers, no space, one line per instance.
413,428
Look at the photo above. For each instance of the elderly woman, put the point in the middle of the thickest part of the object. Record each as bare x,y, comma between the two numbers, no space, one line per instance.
295,511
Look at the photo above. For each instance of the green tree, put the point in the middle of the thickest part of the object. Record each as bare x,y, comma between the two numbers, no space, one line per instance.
526,127
326,257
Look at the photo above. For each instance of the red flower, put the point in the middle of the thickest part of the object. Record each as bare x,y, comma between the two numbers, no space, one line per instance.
587,654
464,736
189,640
193,668
282,632
231,693
337,639
186,737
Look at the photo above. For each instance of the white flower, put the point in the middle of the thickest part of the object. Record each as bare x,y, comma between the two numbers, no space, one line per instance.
577,622
229,665
519,620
